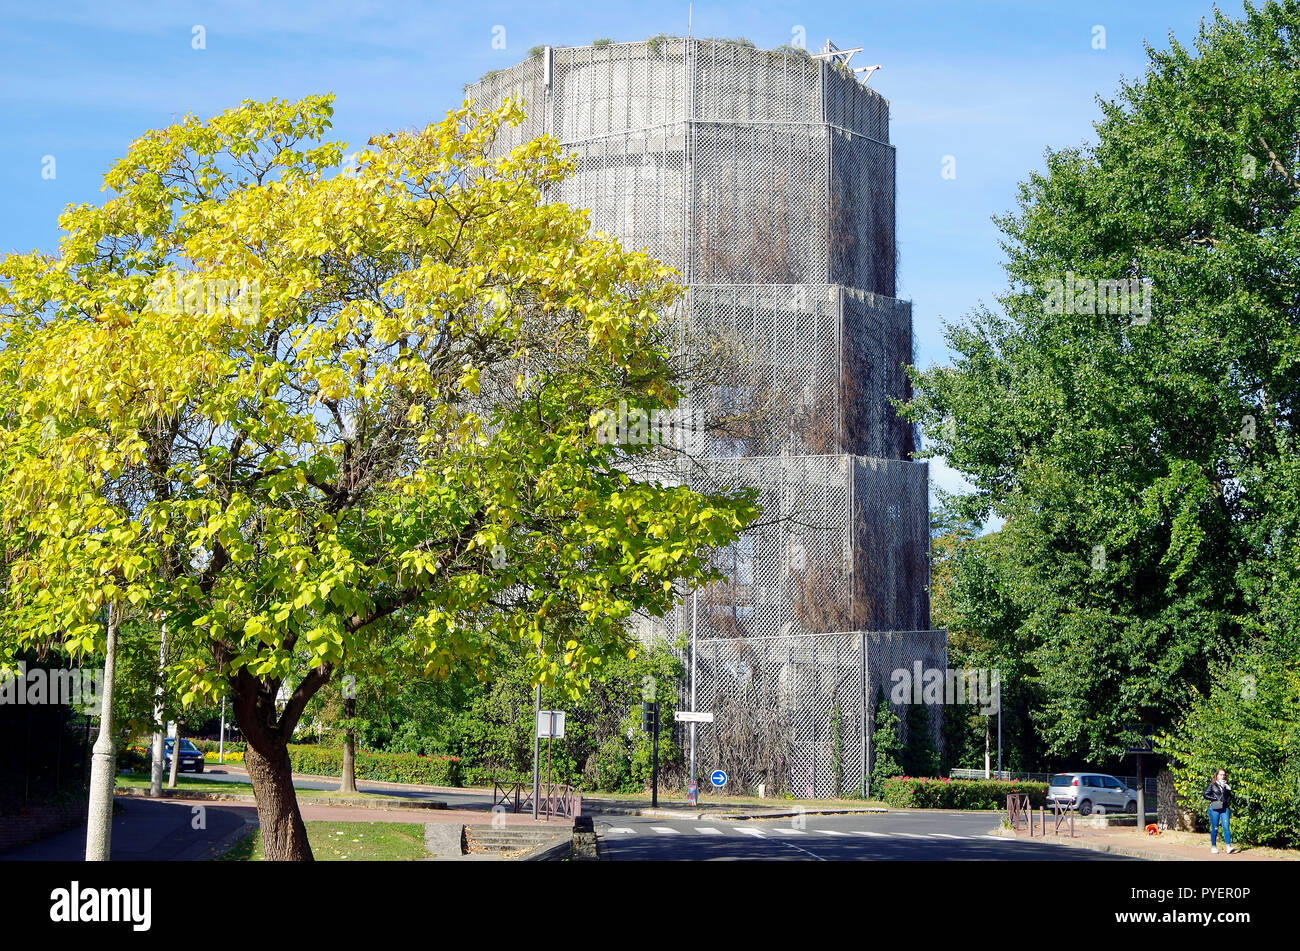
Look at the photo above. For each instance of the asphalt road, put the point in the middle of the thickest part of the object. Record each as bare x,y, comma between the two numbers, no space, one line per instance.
869,837
146,829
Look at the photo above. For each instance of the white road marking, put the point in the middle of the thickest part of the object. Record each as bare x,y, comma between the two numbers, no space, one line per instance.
829,832
708,830
758,833
876,835
664,830
945,835
789,832
621,830
913,835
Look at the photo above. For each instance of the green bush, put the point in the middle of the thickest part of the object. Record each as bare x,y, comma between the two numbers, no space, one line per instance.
380,767
1248,726
910,792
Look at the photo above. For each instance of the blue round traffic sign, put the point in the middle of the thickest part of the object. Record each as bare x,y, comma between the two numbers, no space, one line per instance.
719,778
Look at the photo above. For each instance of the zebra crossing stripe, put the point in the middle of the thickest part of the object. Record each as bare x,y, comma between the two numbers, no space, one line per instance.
757,833
874,835
621,830
664,830
708,830
945,835
789,832
830,832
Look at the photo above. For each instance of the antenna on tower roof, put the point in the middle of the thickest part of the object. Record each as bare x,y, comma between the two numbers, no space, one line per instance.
690,12
832,53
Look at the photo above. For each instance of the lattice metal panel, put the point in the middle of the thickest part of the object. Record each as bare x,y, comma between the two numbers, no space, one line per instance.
842,545
877,333
633,184
735,83
793,712
615,88
862,248
525,82
761,203
784,397
891,544
855,106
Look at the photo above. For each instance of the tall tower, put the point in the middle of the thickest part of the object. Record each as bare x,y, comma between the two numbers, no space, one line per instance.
766,178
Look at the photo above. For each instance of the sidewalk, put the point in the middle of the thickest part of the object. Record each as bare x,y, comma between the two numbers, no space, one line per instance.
1166,847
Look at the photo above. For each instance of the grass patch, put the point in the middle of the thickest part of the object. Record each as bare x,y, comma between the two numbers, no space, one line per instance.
347,842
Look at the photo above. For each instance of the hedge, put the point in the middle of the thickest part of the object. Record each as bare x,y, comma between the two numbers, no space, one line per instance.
907,792
381,767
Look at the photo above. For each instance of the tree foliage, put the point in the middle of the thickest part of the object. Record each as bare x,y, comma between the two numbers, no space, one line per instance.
327,418
1145,462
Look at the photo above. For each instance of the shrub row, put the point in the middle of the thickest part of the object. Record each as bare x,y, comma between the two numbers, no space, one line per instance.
908,792
381,767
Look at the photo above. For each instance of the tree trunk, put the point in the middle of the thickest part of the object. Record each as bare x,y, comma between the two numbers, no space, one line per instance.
267,731
284,837
349,784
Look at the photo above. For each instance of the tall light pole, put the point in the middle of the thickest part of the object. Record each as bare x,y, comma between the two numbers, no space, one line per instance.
695,611
99,825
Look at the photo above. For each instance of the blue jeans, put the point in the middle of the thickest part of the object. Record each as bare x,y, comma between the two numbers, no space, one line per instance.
1219,817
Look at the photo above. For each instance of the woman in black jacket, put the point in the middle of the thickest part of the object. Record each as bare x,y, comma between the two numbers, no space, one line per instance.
1219,795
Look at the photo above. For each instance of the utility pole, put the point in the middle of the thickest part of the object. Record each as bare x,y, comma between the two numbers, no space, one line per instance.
537,713
99,827
654,775
695,611
221,742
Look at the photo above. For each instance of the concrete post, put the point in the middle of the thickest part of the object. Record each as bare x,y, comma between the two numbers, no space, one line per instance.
99,825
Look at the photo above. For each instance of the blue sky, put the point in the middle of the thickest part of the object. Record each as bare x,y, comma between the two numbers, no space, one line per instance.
991,84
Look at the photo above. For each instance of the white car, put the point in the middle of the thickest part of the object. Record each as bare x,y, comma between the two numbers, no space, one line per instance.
1089,792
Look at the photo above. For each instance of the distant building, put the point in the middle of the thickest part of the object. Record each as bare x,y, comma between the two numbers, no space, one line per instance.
766,178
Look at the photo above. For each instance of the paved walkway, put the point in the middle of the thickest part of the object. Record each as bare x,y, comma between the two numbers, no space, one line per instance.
1168,846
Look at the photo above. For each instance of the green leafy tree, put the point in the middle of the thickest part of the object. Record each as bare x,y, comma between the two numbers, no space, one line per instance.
886,746
323,419
1143,457
920,755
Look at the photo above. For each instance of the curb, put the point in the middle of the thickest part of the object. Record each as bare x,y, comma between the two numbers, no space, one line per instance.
1128,851
588,808
554,852
313,801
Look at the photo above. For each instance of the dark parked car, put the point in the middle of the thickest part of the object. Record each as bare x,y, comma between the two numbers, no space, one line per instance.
191,756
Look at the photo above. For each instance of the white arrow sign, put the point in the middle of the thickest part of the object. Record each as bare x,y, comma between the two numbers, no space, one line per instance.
683,716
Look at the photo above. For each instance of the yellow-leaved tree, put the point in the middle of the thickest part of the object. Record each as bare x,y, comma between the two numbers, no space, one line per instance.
318,416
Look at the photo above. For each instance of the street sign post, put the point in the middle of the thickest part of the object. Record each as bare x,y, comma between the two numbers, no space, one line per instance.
719,778
550,724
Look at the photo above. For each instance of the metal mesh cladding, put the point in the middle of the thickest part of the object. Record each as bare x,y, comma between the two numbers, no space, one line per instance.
794,713
766,178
